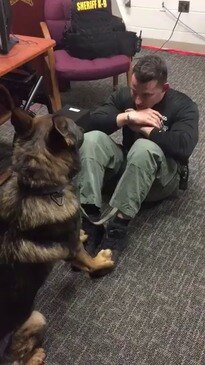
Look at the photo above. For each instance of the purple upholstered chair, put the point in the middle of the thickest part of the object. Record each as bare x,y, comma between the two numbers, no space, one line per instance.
56,14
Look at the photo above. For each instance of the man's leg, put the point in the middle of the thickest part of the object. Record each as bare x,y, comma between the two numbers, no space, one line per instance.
99,154
147,170
148,175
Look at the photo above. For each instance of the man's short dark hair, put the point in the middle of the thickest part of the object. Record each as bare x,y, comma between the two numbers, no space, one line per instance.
150,68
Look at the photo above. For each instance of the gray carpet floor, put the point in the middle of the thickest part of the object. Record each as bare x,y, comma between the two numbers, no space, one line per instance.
151,309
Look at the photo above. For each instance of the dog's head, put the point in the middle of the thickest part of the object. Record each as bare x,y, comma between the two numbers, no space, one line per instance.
45,149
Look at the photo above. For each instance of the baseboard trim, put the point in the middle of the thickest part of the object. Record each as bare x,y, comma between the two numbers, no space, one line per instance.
174,47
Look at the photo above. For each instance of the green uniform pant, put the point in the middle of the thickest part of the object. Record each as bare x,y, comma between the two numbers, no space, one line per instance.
146,173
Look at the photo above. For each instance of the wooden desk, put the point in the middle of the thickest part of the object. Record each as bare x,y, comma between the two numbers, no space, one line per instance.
26,50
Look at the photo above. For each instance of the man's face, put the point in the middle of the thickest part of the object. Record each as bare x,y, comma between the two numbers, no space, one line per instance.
146,95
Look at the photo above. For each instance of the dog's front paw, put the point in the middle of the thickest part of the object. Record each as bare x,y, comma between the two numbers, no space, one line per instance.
83,236
103,264
105,255
104,259
38,357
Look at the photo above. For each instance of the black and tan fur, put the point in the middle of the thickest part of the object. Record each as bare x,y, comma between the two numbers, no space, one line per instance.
39,224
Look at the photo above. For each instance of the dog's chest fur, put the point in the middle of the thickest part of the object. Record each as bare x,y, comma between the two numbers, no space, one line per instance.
27,220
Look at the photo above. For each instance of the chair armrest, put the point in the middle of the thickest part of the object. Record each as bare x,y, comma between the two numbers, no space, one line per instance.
49,57
50,70
45,30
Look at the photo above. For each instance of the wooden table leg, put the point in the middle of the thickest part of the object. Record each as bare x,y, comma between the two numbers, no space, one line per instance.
51,81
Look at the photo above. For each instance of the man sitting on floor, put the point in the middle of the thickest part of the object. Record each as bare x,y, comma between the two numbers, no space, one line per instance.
160,131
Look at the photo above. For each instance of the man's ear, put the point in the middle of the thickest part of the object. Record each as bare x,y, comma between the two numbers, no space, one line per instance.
166,87
22,121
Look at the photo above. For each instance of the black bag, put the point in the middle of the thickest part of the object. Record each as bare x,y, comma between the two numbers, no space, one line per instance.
96,32
87,46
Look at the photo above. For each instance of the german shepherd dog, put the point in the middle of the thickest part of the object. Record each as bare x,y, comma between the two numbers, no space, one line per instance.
39,224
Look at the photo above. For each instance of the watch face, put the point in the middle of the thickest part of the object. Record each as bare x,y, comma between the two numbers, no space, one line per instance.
164,127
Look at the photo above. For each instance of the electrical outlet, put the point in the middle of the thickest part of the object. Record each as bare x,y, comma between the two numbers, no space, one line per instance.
183,6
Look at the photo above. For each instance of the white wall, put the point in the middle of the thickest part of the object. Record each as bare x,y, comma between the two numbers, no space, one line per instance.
157,24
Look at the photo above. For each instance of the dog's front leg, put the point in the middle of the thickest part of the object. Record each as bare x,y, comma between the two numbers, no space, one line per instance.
85,262
24,349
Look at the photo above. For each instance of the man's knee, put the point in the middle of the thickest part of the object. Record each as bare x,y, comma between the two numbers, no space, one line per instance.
144,151
95,137
93,141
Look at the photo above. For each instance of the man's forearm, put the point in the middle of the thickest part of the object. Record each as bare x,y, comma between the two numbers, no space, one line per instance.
122,119
146,117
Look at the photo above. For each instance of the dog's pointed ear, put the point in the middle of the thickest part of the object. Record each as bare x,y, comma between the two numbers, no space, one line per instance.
60,124
6,99
67,129
22,121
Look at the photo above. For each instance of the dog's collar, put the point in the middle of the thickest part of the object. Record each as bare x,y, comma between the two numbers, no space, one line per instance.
58,197
57,194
